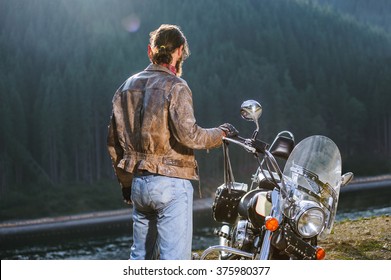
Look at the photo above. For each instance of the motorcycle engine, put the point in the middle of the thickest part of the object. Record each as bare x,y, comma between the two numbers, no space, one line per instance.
243,236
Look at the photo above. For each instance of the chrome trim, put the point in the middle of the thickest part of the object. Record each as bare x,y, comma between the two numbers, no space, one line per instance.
218,248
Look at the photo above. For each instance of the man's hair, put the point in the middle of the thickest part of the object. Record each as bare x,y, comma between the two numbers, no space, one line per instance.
164,41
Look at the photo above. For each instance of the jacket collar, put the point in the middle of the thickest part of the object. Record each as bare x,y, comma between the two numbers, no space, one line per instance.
157,67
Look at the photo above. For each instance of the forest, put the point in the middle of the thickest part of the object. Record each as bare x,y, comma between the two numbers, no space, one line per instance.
316,67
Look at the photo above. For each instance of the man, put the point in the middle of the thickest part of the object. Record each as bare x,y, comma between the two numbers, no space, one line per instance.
151,138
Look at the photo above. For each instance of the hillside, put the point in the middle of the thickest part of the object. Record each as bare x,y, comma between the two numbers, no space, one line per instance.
313,70
379,15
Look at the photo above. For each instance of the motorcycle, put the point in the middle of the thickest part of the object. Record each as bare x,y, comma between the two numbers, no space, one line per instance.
291,202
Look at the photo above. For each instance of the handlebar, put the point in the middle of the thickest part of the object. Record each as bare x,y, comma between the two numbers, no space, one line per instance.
256,146
250,145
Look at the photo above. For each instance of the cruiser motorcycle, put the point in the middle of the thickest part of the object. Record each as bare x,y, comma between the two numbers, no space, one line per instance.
290,204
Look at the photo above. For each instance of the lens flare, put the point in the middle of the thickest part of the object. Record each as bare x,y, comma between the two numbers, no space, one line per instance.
131,23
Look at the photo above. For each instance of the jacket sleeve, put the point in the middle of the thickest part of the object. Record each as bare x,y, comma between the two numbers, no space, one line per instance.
183,123
116,153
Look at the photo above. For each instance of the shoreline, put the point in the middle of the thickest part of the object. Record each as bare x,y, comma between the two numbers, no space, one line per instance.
105,222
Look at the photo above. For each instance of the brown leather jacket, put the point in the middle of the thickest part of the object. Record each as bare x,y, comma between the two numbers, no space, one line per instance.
153,127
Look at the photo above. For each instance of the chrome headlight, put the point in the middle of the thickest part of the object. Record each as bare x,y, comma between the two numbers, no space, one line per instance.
310,220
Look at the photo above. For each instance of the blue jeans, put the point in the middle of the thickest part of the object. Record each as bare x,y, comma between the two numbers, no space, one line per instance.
162,218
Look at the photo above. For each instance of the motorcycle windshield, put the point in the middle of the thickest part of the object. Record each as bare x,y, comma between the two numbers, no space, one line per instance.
313,174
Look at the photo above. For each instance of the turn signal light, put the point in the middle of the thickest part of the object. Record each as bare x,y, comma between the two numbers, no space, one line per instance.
320,253
271,223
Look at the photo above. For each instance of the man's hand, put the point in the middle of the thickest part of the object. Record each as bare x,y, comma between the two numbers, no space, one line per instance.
229,130
126,192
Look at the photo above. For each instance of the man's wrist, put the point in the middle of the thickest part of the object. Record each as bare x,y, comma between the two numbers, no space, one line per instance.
223,132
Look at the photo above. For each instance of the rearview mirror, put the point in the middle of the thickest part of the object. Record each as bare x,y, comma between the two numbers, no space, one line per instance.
251,110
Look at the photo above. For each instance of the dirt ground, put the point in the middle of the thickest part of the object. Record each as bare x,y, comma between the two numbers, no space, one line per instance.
363,239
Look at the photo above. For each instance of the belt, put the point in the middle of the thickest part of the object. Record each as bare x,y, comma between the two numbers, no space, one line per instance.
141,172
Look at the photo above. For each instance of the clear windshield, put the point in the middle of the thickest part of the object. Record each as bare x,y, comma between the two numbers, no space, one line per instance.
313,174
